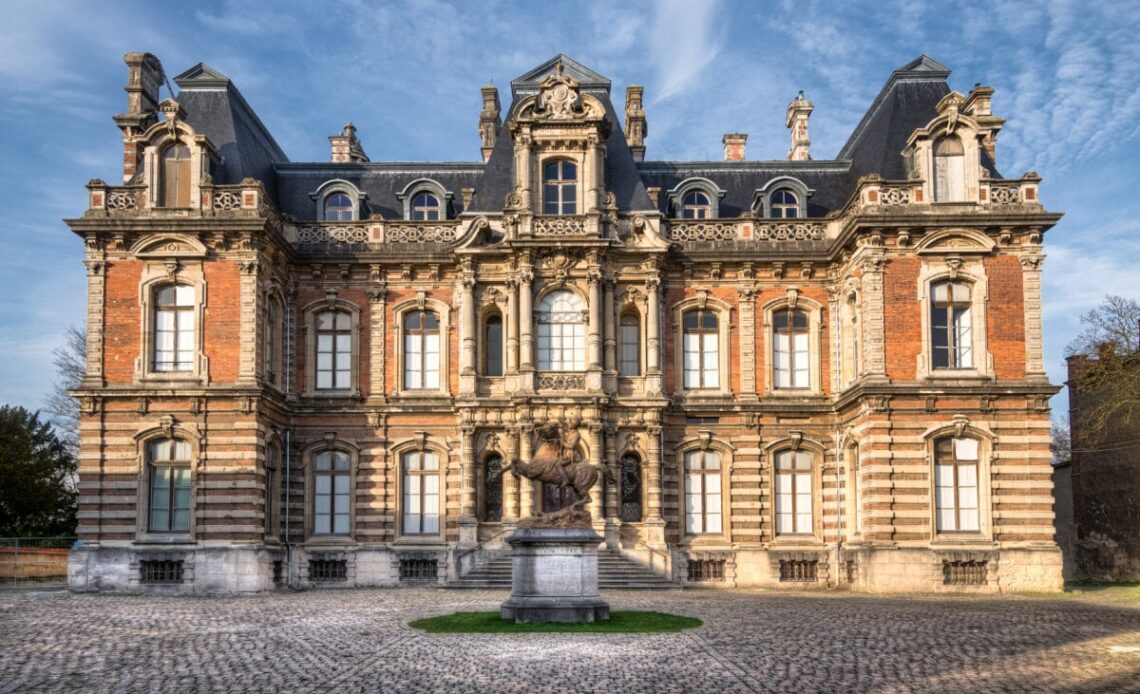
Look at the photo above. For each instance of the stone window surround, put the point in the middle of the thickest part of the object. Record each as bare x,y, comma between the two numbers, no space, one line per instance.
444,312
630,308
423,442
166,429
481,486
704,442
849,336
704,185
308,464
854,486
576,157
962,428
276,331
539,296
970,271
487,311
723,311
338,185
643,467
795,442
761,202
309,312
200,156
426,185
793,300
155,275
273,442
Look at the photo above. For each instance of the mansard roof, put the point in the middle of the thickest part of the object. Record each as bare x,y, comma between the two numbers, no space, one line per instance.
381,182
588,80
214,107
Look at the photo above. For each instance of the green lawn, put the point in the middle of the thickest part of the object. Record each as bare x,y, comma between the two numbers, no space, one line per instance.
619,622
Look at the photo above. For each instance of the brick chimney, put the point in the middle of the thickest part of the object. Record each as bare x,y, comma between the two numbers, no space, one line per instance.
144,78
489,120
346,148
636,129
734,146
796,120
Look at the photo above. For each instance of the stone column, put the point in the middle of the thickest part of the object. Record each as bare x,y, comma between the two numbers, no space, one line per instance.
510,482
653,381
526,338
467,329
613,499
377,305
1031,286
96,283
609,333
874,337
654,521
512,325
248,332
747,348
526,486
594,331
468,523
598,493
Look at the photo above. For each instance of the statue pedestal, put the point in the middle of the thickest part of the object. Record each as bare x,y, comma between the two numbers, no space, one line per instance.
554,576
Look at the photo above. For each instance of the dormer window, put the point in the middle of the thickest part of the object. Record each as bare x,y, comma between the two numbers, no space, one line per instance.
426,207
785,204
560,187
175,181
339,208
696,205
949,170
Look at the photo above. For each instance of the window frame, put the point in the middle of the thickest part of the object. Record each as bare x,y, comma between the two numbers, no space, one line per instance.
936,180
793,300
156,275
486,349
273,469
338,186
171,463
794,353
562,206
332,473
763,205
955,353
166,429
441,492
630,317
311,336
443,312
346,212
178,310
578,342
420,336
980,432
723,313
184,192
330,443
703,473
956,464
969,267
484,482
420,186
676,198
796,472
273,342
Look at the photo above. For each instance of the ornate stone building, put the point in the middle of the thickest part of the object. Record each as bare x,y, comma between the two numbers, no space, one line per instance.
794,373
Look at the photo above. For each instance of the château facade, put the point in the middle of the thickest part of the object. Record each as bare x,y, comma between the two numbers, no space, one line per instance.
793,373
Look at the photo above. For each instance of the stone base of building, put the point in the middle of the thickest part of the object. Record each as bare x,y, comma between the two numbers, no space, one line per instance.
555,577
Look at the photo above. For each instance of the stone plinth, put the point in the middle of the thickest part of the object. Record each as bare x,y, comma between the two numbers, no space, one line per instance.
554,576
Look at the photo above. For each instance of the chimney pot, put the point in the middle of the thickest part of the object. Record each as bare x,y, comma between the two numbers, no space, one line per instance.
734,146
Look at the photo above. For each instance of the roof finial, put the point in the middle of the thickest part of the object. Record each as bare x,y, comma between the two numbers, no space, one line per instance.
558,67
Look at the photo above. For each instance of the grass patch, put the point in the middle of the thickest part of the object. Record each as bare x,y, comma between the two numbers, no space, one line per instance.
619,623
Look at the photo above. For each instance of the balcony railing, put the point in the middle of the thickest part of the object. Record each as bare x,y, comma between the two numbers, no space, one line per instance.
687,231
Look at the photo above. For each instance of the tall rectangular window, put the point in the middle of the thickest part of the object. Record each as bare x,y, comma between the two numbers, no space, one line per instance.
956,484
334,350
629,345
174,328
560,187
332,486
793,493
561,332
169,468
175,184
702,492
421,350
791,354
272,318
272,470
951,327
421,493
493,346
701,351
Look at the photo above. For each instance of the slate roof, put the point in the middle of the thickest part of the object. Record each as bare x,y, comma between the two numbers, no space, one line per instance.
907,101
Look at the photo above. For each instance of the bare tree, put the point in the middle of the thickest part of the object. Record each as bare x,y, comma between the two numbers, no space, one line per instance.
1107,381
70,360
1061,444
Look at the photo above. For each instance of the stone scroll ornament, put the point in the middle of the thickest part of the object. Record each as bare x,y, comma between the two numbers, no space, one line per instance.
556,460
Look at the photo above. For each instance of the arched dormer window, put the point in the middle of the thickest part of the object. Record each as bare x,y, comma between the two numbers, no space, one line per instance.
783,197
175,178
339,208
949,170
426,207
695,198
560,187
425,200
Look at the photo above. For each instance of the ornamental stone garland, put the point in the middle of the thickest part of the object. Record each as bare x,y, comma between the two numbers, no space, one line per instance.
121,200
895,195
320,233
226,200
803,231
1004,195
559,226
562,382
419,234
703,231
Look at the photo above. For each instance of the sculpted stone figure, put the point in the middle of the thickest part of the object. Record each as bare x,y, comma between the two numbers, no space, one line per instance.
556,460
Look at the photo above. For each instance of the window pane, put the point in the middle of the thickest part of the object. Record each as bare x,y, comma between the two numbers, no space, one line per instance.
966,449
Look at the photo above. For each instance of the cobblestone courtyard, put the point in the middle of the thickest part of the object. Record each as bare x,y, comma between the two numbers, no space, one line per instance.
358,640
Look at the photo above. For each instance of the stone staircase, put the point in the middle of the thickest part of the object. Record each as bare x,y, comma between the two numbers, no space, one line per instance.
614,572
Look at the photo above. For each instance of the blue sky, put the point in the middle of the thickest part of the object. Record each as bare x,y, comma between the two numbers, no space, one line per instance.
408,74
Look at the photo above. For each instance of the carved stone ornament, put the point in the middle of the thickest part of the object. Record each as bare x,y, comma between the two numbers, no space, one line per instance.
558,96
166,423
961,421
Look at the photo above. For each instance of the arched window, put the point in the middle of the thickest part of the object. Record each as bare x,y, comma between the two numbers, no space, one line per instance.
168,462
175,183
702,492
793,493
949,170
493,489
272,488
421,349
426,207
561,332
269,348
493,345
339,208
956,484
854,491
560,187
631,488
951,326
420,471
334,350
696,205
785,204
332,486
174,328
790,351
701,349
629,345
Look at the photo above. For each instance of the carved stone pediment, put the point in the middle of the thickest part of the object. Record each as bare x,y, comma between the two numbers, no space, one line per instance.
956,241
168,246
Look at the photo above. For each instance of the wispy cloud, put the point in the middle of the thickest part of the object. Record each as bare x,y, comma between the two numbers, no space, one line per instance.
686,38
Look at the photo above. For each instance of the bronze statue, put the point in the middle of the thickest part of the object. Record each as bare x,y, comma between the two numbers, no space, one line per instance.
557,460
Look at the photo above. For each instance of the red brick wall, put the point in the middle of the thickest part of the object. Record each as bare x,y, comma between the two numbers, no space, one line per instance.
223,320
1005,316
902,318
121,338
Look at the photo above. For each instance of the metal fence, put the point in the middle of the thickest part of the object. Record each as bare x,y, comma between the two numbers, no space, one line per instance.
34,561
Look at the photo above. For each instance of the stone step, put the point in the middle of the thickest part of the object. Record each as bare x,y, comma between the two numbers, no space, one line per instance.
614,572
